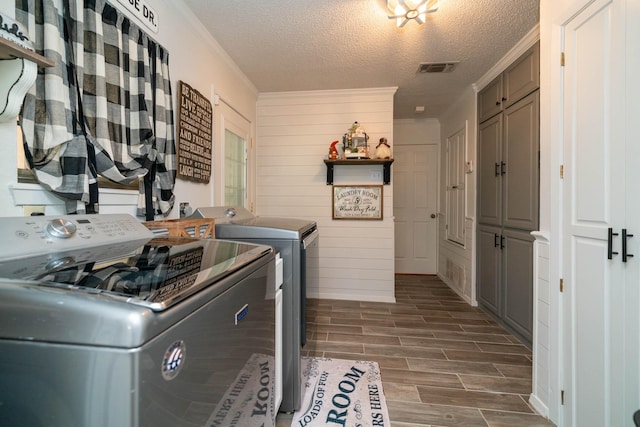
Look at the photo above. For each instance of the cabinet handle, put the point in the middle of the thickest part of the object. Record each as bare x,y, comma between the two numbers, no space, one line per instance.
497,102
504,99
610,252
501,242
503,168
495,240
625,235
497,169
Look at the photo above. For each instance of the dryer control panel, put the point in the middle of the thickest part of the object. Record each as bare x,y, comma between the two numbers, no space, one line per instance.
23,237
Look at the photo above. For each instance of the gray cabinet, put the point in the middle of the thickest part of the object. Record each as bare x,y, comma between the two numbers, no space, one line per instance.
508,146
489,171
508,193
517,279
488,268
519,164
490,100
505,272
517,81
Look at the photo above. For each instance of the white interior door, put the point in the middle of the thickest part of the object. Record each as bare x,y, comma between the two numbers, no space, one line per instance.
631,367
594,202
415,199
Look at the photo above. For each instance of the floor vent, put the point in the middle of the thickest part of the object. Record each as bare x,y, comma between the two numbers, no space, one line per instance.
436,67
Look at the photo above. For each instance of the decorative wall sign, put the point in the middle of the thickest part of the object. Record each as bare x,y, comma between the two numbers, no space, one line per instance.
143,12
195,123
357,202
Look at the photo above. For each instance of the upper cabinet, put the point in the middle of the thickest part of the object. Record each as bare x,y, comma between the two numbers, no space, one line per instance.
519,80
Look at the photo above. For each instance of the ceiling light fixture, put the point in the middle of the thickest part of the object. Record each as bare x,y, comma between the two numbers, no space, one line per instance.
405,10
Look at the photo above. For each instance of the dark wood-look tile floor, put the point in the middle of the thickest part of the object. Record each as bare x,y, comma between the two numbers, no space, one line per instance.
443,362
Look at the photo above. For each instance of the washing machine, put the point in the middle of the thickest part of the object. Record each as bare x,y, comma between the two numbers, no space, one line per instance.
297,242
102,324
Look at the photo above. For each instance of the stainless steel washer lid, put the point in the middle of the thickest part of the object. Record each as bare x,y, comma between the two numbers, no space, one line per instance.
111,300
234,222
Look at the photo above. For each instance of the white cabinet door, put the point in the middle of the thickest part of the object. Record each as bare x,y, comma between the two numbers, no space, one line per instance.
599,345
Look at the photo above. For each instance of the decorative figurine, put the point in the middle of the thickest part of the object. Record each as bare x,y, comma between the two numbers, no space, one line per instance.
333,151
383,150
354,143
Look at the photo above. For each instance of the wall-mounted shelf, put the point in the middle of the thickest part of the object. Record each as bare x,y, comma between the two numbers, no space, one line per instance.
386,167
10,50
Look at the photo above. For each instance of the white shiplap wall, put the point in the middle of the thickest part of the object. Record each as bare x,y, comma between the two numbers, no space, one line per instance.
293,134
542,323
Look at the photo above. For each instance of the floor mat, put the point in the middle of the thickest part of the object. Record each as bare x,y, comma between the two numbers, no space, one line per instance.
340,392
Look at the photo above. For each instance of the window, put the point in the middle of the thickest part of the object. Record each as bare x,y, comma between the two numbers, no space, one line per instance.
455,215
235,169
103,110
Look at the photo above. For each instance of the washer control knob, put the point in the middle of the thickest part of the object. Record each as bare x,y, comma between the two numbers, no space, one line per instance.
61,228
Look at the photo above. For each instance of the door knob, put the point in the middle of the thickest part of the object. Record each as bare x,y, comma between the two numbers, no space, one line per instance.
433,215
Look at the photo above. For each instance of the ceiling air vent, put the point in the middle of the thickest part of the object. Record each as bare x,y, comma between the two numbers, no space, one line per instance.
436,67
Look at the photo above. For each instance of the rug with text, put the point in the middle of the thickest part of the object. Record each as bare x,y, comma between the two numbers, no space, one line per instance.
346,393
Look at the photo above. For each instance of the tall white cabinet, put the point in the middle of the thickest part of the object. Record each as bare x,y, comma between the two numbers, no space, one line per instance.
600,216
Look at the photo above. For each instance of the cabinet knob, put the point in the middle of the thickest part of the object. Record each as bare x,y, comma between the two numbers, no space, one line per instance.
504,99
497,102
433,215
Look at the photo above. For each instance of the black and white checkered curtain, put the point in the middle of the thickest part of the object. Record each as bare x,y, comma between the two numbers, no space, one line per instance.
104,109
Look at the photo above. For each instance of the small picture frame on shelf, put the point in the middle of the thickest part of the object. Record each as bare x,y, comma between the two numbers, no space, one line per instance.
364,202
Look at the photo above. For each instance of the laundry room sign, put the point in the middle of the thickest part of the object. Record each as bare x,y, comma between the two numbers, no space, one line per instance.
357,202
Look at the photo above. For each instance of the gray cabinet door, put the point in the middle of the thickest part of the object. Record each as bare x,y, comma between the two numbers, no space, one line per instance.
522,77
489,171
517,278
519,80
488,268
520,181
490,100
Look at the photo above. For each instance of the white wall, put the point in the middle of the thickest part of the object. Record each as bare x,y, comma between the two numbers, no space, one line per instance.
416,131
195,58
294,132
456,262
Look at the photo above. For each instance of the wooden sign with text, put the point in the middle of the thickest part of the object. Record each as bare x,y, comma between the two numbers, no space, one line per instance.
195,130
357,202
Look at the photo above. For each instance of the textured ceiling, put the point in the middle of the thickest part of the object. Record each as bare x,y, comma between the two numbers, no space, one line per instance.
291,45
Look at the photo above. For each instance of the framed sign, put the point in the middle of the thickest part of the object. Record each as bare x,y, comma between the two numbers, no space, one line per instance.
357,202
195,129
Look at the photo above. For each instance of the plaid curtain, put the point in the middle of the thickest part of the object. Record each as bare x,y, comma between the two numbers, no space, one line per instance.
104,109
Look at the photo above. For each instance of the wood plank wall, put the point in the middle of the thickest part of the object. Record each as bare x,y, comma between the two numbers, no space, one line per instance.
293,134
